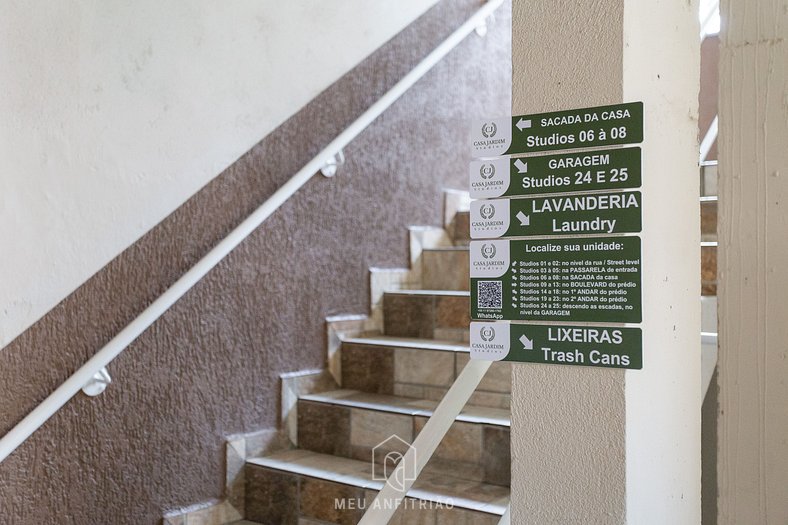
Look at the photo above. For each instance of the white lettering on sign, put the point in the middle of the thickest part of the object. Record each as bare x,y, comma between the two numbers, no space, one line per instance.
586,202
581,161
585,335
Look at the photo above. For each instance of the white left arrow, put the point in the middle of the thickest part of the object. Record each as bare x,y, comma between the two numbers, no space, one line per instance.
522,167
523,124
525,220
528,344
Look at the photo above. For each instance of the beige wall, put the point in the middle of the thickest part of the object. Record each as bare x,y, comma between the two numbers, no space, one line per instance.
608,446
753,258
113,113
568,423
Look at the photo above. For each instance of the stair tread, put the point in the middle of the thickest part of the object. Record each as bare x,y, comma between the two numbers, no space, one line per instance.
407,406
472,495
409,342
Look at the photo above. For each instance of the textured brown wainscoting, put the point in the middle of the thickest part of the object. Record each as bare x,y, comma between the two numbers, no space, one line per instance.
209,368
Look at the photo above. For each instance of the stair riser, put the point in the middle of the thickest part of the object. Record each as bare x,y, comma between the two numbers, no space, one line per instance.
445,270
708,220
461,228
426,316
708,271
477,451
292,499
419,373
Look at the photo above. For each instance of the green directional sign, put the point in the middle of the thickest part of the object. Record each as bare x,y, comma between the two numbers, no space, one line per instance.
611,347
595,279
609,169
559,130
594,213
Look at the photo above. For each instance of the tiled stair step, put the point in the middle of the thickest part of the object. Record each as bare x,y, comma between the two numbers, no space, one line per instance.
353,424
708,268
461,228
417,368
708,218
445,268
286,486
428,314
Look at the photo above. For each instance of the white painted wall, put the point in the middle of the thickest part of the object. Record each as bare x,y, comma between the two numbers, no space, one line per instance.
752,424
602,446
113,113
662,68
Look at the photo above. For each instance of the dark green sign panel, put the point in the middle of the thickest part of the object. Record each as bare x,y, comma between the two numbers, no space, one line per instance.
595,213
610,347
609,169
559,130
586,279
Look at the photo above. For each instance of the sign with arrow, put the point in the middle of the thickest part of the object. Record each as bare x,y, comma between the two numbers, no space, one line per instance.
611,347
582,214
594,279
559,130
568,172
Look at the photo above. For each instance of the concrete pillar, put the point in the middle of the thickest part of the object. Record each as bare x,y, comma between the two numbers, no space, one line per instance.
597,445
753,263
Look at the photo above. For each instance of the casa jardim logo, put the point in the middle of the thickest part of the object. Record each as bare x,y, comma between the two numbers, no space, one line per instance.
487,171
488,343
489,129
487,211
488,251
487,333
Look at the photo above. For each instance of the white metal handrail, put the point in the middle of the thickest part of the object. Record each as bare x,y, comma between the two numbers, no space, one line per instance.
326,158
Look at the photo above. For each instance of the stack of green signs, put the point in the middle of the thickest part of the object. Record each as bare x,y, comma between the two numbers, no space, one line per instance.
570,262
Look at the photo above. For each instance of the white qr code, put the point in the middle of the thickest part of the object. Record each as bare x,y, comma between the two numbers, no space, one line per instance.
489,294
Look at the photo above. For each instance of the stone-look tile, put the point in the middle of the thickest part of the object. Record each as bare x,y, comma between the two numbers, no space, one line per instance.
458,516
309,521
338,328
497,379
452,311
411,512
461,228
370,429
408,315
491,399
324,428
460,335
323,500
367,368
463,441
445,270
446,468
708,257
214,515
180,519
424,367
708,220
271,496
496,455
408,390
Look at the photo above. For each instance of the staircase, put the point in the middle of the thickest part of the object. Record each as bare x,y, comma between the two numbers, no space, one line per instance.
391,381
389,373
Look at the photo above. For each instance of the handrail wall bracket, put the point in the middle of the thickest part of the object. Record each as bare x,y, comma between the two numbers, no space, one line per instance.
98,383
332,164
